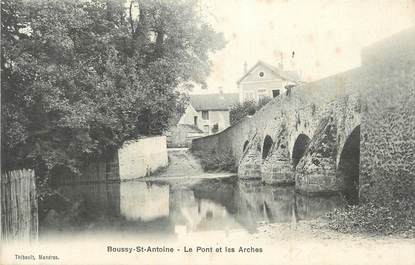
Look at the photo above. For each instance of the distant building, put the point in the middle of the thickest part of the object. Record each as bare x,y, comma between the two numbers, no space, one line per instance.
264,80
206,114
209,112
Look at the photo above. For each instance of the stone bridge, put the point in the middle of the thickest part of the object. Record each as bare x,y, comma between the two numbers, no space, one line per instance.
341,133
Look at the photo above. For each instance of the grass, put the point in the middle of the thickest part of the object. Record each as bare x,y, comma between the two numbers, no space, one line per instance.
213,161
395,218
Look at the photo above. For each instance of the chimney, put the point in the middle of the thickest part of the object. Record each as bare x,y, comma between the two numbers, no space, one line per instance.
245,67
221,92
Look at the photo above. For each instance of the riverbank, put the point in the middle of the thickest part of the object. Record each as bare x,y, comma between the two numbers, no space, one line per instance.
185,168
317,229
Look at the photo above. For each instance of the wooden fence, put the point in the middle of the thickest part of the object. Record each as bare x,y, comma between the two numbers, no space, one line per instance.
19,210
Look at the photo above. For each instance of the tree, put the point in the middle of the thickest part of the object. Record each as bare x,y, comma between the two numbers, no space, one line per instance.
79,78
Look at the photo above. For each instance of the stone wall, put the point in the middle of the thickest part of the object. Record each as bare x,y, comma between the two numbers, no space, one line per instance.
181,135
142,157
134,159
388,120
376,100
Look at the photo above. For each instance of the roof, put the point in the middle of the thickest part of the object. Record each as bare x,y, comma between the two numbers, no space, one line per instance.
286,75
216,101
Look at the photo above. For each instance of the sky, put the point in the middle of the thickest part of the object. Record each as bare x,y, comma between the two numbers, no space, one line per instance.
326,36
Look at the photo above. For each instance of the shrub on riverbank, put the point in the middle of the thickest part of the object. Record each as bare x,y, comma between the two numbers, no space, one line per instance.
213,161
397,217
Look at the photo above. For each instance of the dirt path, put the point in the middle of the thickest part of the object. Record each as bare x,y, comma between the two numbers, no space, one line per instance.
183,165
182,162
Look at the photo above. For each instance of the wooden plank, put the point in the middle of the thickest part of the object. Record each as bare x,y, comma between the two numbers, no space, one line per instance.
19,210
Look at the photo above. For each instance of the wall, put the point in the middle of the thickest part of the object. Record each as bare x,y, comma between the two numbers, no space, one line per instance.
142,157
134,159
182,135
379,96
388,120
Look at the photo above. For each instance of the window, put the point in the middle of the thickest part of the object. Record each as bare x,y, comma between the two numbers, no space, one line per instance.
249,96
275,93
195,120
261,96
206,128
205,114
261,74
262,93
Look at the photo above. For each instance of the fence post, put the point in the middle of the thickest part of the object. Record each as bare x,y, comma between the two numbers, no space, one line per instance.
19,210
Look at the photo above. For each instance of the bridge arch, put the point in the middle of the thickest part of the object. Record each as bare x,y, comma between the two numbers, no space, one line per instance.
266,146
348,167
245,146
299,148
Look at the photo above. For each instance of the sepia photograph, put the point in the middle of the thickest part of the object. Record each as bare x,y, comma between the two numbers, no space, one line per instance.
207,132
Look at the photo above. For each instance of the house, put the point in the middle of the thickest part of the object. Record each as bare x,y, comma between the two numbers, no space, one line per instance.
264,80
206,114
209,112
181,134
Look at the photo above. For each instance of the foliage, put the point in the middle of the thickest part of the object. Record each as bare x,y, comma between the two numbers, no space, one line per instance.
394,218
213,161
79,78
241,110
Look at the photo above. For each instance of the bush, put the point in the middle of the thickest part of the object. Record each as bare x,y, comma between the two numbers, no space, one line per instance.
395,218
213,161
239,111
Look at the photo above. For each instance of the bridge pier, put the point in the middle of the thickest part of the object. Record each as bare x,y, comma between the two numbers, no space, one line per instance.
276,167
316,171
250,163
279,172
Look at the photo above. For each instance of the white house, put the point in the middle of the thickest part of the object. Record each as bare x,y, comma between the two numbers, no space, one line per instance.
264,80
209,112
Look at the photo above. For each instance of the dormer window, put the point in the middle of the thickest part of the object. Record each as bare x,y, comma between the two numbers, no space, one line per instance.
261,74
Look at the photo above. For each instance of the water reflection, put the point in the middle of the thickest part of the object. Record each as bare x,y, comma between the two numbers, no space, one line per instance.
143,201
160,208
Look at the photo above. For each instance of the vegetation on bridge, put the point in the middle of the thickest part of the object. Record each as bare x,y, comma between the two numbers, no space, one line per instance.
241,110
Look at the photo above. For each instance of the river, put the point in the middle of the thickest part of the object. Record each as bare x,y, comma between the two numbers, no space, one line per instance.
184,208
168,206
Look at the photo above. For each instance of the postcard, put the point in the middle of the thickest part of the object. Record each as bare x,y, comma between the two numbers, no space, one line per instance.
207,132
